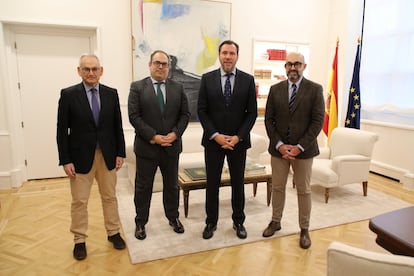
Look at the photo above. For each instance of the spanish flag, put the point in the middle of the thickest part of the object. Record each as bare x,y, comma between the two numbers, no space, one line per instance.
331,106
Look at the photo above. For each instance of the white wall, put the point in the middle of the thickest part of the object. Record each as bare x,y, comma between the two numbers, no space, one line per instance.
317,22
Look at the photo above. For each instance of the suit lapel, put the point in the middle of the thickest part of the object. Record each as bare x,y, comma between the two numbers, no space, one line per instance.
299,95
217,80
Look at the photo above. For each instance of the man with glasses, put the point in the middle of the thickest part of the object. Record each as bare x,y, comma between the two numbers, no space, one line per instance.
158,110
91,145
293,118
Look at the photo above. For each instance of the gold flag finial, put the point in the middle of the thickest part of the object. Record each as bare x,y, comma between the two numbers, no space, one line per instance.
359,40
337,41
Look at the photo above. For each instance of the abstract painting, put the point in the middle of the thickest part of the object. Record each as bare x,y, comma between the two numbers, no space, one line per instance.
190,31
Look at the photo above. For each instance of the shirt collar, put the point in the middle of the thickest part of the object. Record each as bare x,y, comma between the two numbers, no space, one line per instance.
154,82
223,74
297,83
88,87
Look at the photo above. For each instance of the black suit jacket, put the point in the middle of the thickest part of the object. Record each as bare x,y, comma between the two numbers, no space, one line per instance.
237,119
77,134
304,121
146,117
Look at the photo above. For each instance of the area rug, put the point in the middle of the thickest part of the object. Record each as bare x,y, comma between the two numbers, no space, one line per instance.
346,204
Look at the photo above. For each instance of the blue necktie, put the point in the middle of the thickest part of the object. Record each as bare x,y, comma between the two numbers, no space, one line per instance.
95,105
292,97
160,96
227,90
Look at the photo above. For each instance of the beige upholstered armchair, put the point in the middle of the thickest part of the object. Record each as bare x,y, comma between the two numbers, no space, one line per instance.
345,161
344,260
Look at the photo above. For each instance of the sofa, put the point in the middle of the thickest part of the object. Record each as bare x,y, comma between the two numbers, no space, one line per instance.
193,153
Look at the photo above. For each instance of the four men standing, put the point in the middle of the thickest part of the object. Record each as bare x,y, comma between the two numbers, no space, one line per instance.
158,110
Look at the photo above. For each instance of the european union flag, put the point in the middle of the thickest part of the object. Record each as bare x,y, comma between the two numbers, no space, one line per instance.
353,116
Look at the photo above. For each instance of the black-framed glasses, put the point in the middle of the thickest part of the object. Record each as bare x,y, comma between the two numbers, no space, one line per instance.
159,63
93,69
290,64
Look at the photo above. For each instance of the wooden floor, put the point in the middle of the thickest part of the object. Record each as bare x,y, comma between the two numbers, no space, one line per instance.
35,240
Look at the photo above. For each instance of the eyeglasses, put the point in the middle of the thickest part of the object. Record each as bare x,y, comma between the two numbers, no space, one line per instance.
159,63
87,69
296,64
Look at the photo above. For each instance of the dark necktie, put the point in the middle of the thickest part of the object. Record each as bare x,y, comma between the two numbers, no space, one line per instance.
160,96
227,90
292,97
95,105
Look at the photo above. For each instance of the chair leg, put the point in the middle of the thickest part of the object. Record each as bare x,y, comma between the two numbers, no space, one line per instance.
326,195
365,187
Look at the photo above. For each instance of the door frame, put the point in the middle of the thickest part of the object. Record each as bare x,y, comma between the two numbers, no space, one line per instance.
12,138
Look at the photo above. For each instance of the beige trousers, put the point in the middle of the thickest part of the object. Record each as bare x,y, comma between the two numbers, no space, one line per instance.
302,169
81,187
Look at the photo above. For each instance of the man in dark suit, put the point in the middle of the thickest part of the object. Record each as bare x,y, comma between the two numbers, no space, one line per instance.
227,109
91,146
158,110
293,119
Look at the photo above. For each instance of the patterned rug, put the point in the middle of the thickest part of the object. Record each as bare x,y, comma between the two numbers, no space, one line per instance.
346,204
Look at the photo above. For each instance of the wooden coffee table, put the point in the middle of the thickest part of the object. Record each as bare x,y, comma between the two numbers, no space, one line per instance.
186,184
395,231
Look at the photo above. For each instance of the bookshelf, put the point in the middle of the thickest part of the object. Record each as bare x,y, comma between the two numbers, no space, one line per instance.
269,65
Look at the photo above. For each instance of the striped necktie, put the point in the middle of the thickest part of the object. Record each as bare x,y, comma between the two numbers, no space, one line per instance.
292,97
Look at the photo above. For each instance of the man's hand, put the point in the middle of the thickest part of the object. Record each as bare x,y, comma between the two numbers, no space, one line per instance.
69,170
165,140
119,162
289,151
226,141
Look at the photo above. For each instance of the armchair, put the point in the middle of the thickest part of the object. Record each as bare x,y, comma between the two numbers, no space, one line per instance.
344,259
346,160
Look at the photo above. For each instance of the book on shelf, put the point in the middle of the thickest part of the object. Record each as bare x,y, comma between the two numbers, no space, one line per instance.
196,173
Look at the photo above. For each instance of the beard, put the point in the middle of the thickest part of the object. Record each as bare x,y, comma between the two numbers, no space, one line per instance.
293,75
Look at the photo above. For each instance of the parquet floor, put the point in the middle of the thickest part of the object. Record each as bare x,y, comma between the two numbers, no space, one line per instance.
35,240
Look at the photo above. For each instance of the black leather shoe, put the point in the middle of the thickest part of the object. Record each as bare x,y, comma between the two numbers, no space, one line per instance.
240,230
79,251
209,231
304,241
117,241
140,232
177,226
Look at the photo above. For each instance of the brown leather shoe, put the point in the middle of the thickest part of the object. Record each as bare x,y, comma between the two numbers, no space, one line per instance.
304,241
79,251
271,229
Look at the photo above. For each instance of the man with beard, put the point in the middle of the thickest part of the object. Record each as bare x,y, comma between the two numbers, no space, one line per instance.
227,109
293,119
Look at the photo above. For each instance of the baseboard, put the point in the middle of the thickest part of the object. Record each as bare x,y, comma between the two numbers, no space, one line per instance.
11,179
388,170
